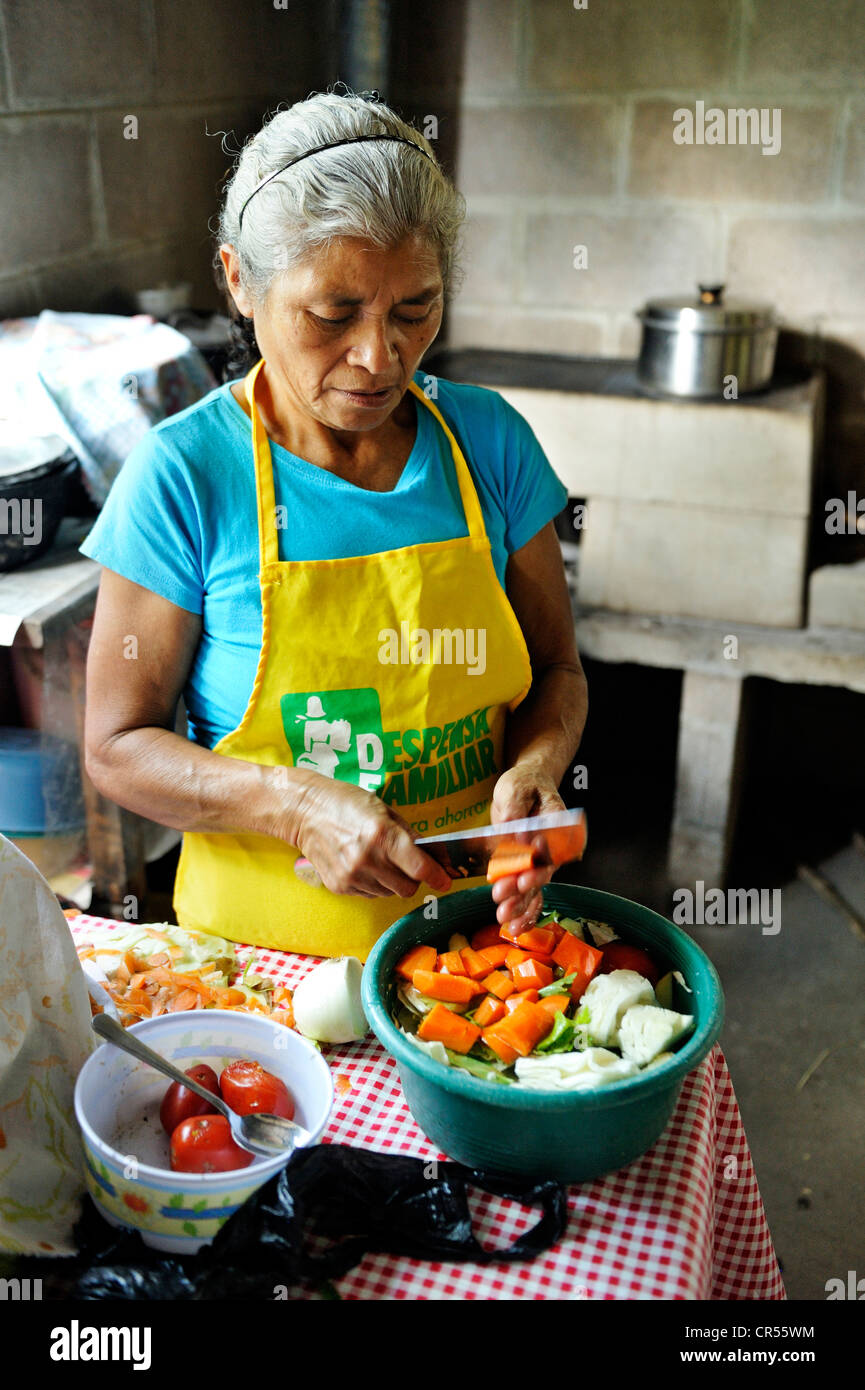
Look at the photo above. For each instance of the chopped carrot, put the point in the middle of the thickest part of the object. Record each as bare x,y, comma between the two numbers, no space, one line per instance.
537,939
510,858
499,984
418,958
476,965
490,1010
486,936
516,956
228,997
576,957
452,963
131,963
457,989
530,974
495,954
557,930
186,999
510,931
455,1032
554,1003
523,1029
517,999
500,1046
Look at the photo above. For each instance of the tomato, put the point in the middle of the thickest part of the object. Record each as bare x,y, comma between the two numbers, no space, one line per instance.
178,1103
204,1144
249,1089
619,956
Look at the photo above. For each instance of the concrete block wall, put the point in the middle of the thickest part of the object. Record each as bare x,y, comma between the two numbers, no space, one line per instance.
89,216
562,123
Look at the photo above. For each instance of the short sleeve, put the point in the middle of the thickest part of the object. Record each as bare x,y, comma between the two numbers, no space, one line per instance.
149,529
533,493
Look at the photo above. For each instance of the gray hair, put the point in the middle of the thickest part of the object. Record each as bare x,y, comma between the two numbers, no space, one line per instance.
380,192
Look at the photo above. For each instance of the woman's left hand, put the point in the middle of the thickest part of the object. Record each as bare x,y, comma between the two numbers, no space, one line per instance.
523,791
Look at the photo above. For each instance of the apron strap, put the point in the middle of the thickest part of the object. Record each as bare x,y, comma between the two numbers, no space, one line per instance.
266,497
268,535
468,492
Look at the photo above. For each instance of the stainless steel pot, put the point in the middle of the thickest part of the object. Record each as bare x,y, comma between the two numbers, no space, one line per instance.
697,347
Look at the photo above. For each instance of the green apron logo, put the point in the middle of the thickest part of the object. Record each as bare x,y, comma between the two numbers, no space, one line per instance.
339,734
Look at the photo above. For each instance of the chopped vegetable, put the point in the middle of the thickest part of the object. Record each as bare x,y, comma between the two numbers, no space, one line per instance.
457,1034
499,984
418,958
537,939
531,974
574,1071
511,858
451,962
490,1010
496,955
487,936
647,1030
606,1001
476,965
327,1004
457,988
522,1029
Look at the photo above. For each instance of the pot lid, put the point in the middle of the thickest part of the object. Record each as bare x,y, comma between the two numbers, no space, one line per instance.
708,312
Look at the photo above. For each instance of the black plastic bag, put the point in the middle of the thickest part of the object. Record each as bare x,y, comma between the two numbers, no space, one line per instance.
311,1223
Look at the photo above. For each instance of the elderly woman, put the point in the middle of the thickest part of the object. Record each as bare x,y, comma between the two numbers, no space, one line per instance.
346,567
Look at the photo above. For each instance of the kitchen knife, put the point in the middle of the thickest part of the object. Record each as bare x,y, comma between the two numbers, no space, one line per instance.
554,839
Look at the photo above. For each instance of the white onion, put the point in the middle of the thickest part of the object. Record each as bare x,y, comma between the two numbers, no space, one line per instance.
327,1003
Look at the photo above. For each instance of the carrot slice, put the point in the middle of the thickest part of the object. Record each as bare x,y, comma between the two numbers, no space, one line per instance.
510,858
554,1003
500,1046
486,936
441,1025
523,1029
530,974
516,999
456,989
537,939
476,965
576,957
490,1010
451,962
418,958
499,984
496,955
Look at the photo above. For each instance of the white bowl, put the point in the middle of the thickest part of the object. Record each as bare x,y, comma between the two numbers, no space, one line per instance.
117,1101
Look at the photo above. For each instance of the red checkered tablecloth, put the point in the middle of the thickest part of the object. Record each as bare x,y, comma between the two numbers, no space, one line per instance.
685,1221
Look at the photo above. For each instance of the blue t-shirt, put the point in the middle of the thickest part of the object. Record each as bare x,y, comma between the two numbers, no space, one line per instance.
181,519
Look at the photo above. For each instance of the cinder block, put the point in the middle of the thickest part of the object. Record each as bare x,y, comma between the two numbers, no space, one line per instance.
530,151
804,266
836,597
619,46
167,180
74,53
803,43
223,49
656,557
746,456
488,257
46,187
800,171
629,258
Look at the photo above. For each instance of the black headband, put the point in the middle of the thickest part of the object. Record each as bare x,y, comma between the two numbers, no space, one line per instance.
355,140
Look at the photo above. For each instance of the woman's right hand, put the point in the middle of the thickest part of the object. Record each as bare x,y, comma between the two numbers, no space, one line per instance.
358,845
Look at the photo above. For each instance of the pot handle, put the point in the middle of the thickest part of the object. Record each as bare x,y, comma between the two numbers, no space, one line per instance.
711,294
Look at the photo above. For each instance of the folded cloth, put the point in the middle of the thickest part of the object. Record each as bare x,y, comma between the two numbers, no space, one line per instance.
45,1038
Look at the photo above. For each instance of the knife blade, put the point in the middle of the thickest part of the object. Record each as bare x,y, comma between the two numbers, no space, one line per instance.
556,838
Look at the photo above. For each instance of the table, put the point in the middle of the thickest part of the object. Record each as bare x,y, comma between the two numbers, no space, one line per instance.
685,1221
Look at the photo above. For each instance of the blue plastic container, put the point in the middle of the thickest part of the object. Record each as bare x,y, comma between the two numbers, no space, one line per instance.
36,771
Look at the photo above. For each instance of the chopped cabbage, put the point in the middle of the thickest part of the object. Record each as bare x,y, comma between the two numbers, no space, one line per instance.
647,1030
574,1071
607,1000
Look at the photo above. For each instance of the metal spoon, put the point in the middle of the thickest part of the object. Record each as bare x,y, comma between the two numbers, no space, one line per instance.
267,1135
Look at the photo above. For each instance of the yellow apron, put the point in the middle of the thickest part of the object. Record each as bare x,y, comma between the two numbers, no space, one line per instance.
348,685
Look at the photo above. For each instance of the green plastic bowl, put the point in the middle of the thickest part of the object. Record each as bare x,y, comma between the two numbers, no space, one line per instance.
564,1135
